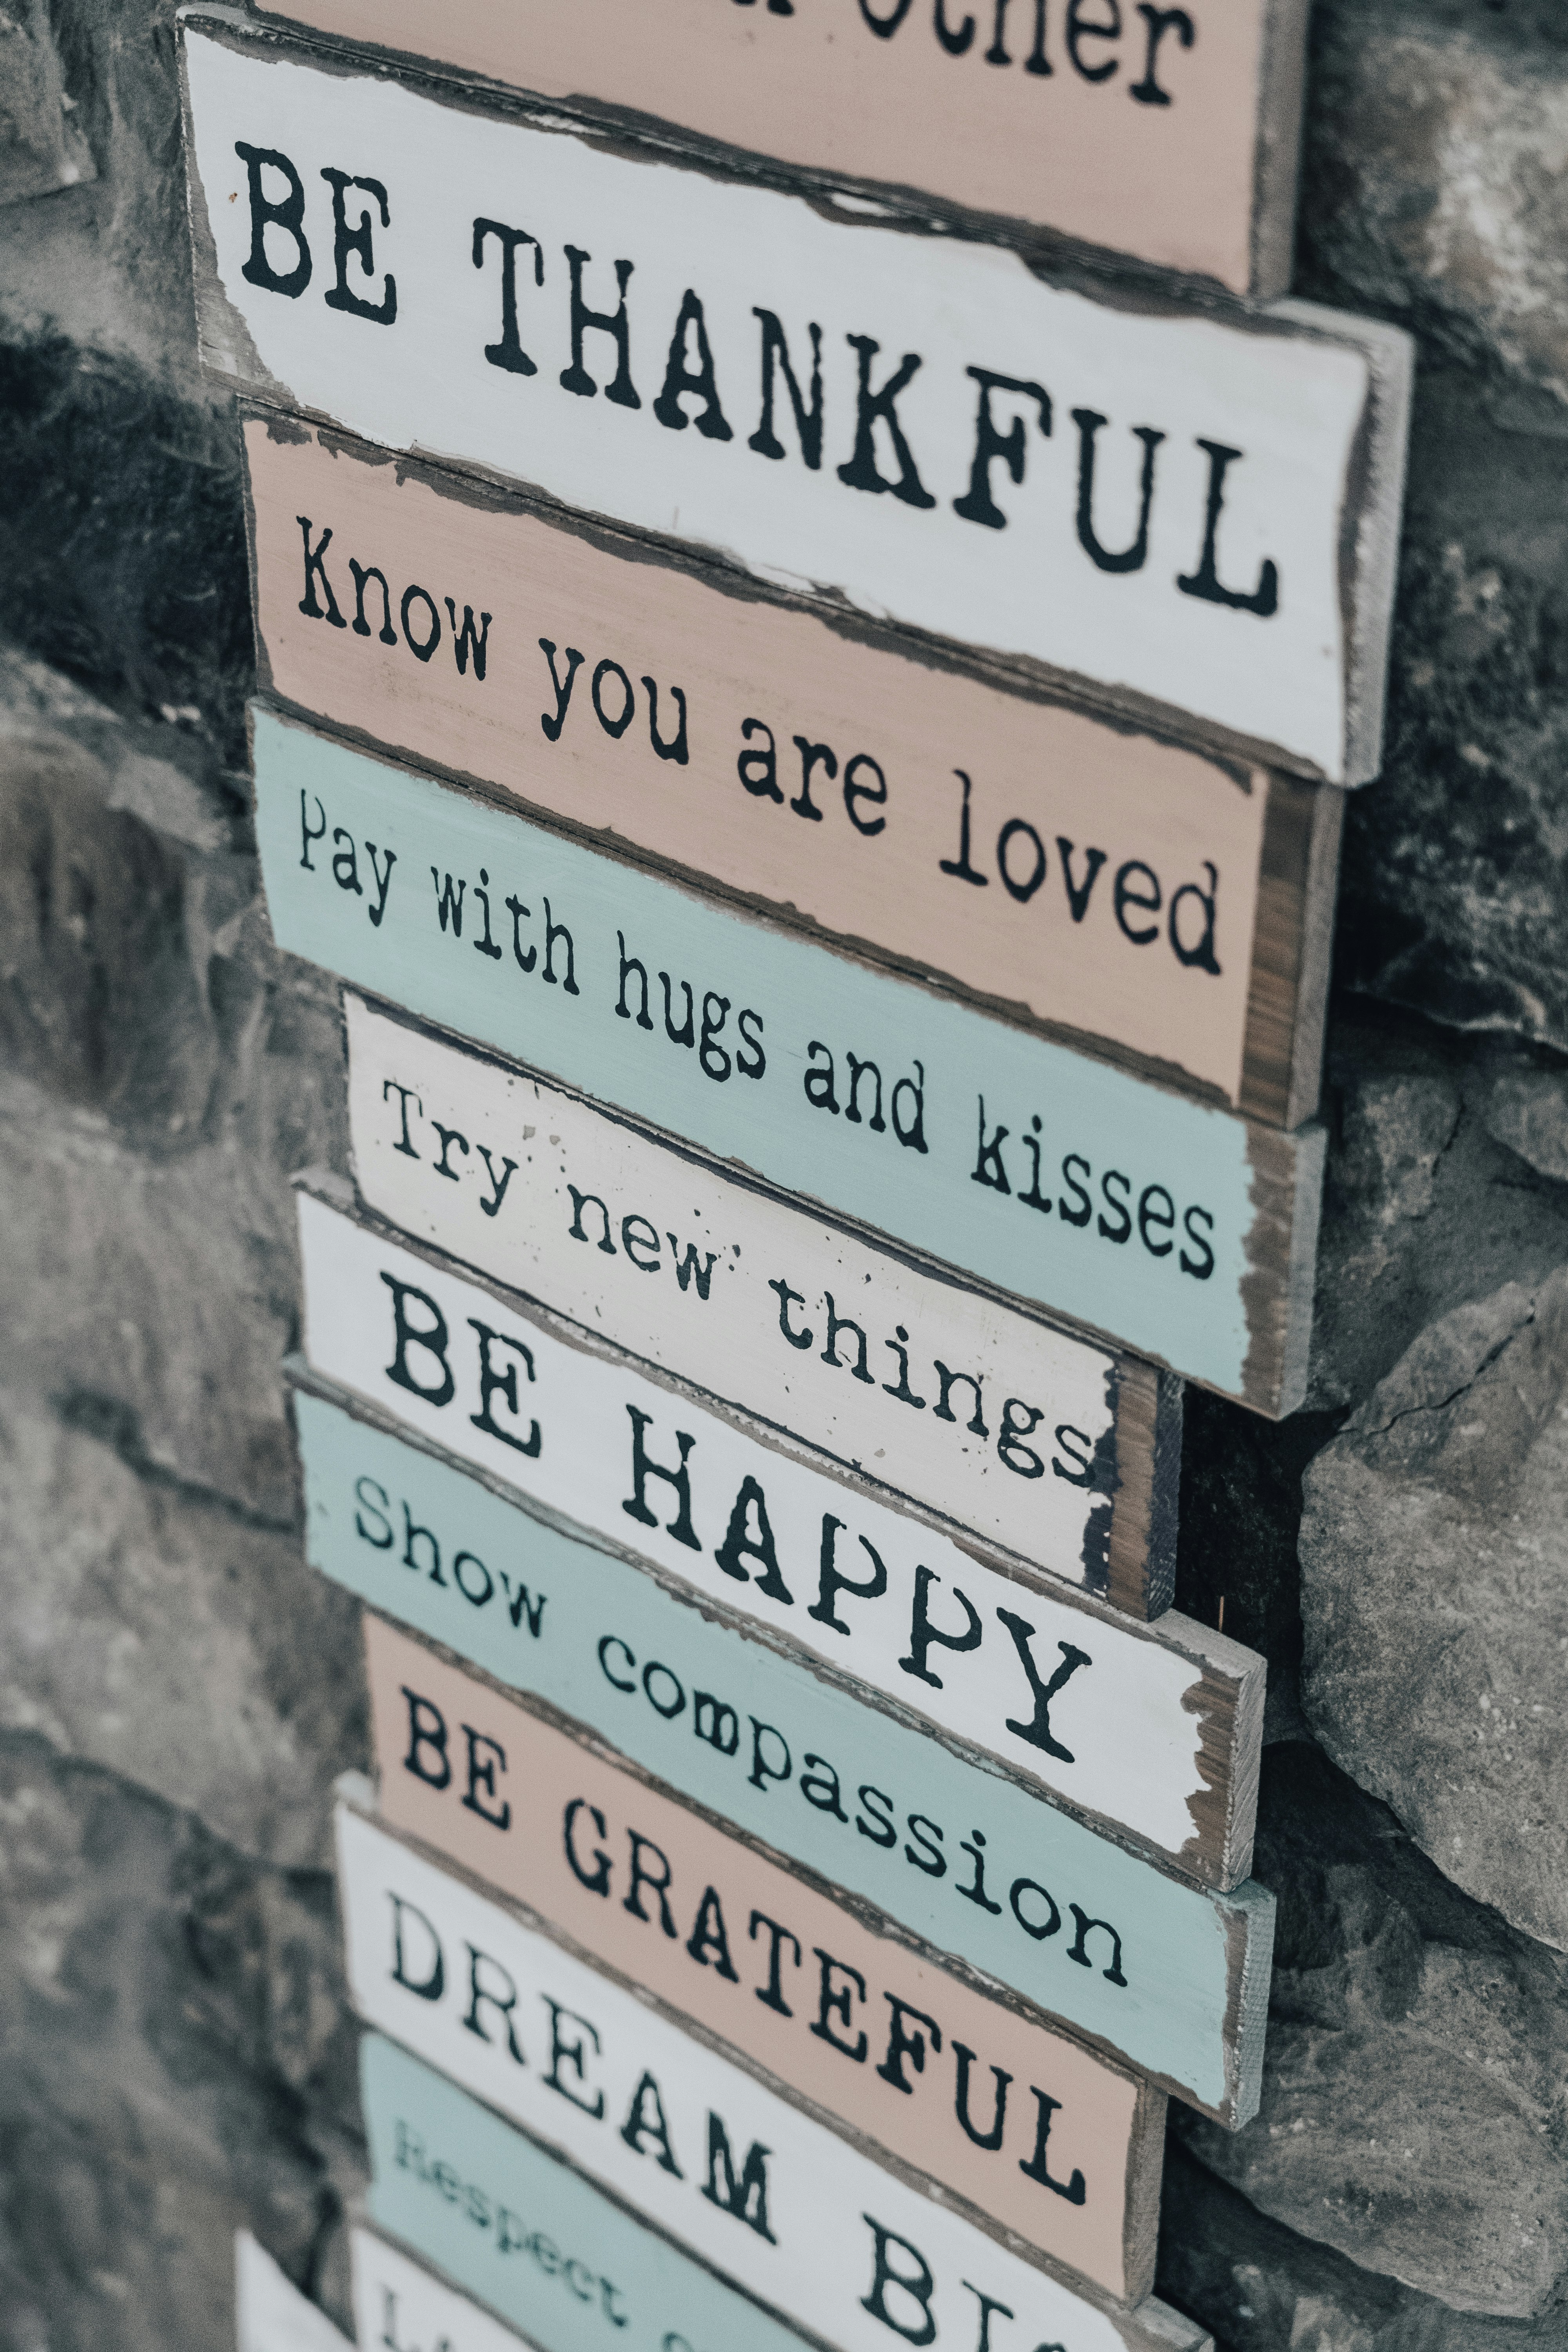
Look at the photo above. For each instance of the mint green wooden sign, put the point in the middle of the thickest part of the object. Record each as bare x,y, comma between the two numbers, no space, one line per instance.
1172,1976
1182,1230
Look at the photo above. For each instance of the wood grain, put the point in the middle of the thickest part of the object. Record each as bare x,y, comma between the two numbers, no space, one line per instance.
1173,1977
985,435
1194,173
1137,1734
988,810
1172,1229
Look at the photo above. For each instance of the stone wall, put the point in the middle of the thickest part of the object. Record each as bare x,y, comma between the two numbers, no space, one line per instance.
177,1693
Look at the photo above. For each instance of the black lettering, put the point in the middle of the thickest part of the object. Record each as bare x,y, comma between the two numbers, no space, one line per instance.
643,1876
875,795
956,44
682,381
581,1201
363,574
1080,1953
676,749
1037,1730
708,1934
431,1986
988,1167
836,1323
482,1770
427,1729
1205,582
1149,901
431,1340
902,2044
977,505
807,421
1078,1216
1014,1430
465,642
315,569
645,2120
710,1054
1080,1456
1024,889
1160,21
819,1786
509,353
1077,32
309,833
287,214
628,965
832,1582
503,2004
928,1859
1032,1886
746,2198
715,1720
494,1383
381,1543
860,472
819,1089
812,755
1161,1218
690,1269
763,785
992,2140
1079,892
959,867
837,2000
879,1828
1200,1270
918,2283
786,1294
562,692
741,1544
1035,2167
345,864
613,728
574,2053
553,931
636,1235
491,1207
1119,1209
762,1771
1203,954
1133,557
420,651
924,1636
623,393
346,240
598,1881
770,1995
677,1702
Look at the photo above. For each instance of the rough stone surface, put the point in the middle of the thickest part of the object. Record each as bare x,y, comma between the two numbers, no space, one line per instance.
41,145
153,1631
1414,2116
174,2059
1435,1599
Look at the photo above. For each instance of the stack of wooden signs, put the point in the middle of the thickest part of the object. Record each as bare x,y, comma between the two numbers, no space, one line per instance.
814,615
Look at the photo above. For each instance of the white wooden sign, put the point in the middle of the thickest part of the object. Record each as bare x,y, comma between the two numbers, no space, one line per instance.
1155,1732
270,2314
401,2306
1177,513
1062,1452
770,2196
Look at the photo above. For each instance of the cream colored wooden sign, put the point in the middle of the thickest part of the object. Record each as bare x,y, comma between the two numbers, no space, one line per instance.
1174,512
774,2199
1169,134
402,2306
1061,1452
1155,1734
1170,909
790,1978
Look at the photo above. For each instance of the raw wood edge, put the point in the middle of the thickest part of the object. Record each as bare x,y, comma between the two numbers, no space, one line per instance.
1250,1927
1317,955
1227,1704
1287,1173
353,1792
1370,525
1140,2192
1291,916
1131,1569
1281,103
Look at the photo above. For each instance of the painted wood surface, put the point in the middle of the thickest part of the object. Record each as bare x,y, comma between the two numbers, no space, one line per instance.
1170,1977
1158,1738
984,437
944,825
270,2314
402,2306
1058,1450
748,2180
1171,140
1178,1229
591,1847
510,2224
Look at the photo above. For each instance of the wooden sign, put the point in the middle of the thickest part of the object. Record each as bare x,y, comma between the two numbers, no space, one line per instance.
1171,1977
401,2306
749,1282
1156,1736
509,2221
770,2196
949,824
1177,513
1168,134
270,2314
592,1848
1181,1232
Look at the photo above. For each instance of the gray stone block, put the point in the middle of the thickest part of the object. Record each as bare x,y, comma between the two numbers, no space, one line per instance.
1412,2113
176,2060
42,146
1435,1599
154,1631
